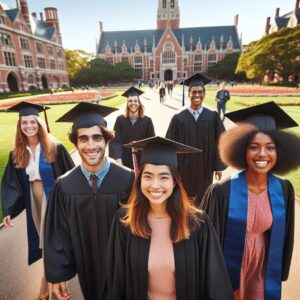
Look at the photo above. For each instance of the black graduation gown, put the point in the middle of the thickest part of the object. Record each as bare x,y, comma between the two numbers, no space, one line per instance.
126,133
15,194
77,226
200,271
216,203
197,169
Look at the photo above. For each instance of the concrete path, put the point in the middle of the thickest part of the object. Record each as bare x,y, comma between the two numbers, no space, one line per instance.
19,281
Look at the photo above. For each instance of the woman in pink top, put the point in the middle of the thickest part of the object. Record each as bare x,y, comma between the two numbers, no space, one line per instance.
160,246
253,211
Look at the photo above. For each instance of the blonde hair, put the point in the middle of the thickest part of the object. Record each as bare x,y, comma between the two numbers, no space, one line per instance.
48,143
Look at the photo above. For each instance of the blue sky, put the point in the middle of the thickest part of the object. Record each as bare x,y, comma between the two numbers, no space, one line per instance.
79,20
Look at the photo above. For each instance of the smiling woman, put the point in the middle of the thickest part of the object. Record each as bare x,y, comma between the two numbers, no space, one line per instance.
253,211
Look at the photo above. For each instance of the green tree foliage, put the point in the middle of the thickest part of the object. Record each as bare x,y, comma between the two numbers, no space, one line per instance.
225,69
275,53
99,71
76,60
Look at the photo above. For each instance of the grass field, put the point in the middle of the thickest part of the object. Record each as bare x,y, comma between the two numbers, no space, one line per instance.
59,130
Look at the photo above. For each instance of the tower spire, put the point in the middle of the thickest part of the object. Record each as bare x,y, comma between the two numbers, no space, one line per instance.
168,14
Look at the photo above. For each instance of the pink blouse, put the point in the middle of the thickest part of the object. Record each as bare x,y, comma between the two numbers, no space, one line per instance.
161,263
259,221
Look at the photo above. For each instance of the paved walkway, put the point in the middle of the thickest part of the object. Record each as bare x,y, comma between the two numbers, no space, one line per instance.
20,281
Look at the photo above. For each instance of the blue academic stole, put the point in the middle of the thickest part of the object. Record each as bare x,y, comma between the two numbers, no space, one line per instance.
235,232
47,174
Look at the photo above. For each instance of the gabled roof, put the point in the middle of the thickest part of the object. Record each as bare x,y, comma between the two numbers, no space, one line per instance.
12,14
42,30
281,22
130,38
206,35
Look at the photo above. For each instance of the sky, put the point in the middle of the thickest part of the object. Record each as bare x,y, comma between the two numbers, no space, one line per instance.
79,20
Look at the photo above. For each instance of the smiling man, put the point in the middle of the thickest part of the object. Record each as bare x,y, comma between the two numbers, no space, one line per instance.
132,126
199,127
81,207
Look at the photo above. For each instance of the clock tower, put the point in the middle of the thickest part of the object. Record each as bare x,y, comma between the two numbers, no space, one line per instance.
168,14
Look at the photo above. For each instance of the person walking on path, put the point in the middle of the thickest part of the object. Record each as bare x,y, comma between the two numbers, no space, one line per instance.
160,245
162,93
81,207
35,162
253,211
131,126
201,128
222,97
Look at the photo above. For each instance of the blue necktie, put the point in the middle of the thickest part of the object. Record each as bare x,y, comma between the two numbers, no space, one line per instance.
94,178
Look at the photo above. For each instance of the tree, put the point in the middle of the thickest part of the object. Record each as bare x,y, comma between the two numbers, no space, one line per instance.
76,60
275,53
225,69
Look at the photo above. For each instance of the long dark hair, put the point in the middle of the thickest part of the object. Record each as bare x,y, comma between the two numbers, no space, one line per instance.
179,208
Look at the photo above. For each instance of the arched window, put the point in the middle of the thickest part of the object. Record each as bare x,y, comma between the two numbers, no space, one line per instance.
172,3
164,3
168,55
30,78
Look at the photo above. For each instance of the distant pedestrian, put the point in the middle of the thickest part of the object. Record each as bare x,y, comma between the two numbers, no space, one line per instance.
222,97
162,93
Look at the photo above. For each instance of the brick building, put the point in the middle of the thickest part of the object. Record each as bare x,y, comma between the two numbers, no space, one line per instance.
31,53
169,52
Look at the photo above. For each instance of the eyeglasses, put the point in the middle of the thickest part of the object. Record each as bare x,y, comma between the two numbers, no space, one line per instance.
194,93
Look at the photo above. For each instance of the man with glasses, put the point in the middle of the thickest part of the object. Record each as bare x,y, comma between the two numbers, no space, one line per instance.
199,127
81,207
132,126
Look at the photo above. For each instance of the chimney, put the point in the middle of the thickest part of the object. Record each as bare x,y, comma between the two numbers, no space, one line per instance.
52,18
236,20
41,17
268,25
25,10
101,26
277,12
297,5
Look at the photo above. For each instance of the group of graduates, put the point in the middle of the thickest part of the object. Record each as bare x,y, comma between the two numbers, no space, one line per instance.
148,223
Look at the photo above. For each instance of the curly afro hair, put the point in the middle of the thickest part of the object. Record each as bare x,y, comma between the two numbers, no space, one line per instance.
234,142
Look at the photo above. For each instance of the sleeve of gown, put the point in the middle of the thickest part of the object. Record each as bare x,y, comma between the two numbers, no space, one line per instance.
213,203
216,283
116,260
172,130
59,258
11,190
219,128
115,146
150,129
64,159
289,230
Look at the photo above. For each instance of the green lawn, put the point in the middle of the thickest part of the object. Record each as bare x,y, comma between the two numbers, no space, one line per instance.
59,130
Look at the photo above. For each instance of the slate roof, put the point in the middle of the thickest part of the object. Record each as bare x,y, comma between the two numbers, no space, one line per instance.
40,28
206,34
281,22
12,14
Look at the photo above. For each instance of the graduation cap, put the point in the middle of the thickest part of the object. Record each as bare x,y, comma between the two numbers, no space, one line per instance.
132,91
86,115
267,116
196,80
160,151
29,109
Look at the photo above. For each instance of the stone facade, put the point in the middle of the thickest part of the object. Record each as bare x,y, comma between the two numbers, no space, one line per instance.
169,52
31,53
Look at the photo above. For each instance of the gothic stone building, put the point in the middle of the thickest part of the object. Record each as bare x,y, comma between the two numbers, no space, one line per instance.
169,52
31,53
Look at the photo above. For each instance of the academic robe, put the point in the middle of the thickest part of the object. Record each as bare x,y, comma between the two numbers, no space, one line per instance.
15,192
200,271
216,203
197,169
77,226
125,133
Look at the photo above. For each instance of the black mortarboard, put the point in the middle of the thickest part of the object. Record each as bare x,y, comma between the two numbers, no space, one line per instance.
196,80
27,109
132,91
267,116
160,151
86,115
